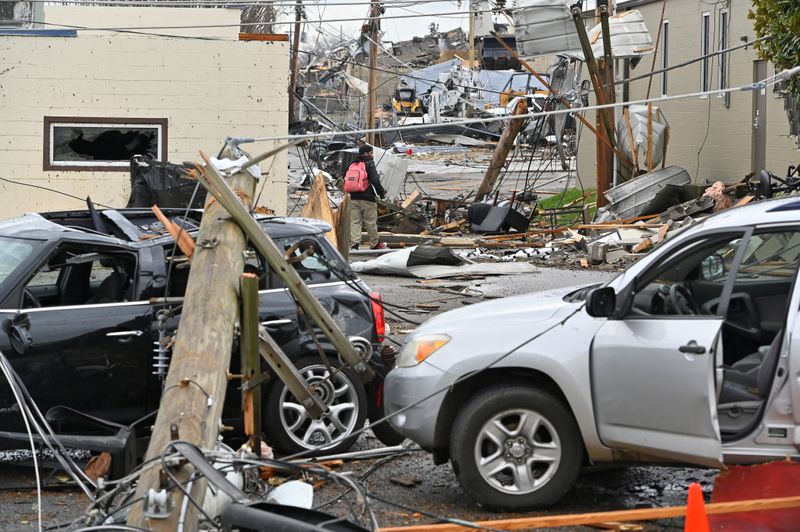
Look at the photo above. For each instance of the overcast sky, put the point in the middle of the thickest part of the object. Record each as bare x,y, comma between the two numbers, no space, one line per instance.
395,29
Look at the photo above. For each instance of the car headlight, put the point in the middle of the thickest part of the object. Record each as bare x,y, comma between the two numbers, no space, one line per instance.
420,348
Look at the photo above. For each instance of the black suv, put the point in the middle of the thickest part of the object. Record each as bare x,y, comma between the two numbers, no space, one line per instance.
90,299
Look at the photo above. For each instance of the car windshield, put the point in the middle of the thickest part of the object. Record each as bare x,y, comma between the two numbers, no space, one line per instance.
14,251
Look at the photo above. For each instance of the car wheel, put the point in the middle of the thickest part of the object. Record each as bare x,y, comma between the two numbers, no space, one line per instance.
515,448
290,429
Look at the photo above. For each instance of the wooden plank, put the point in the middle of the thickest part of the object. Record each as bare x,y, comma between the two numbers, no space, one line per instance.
342,226
744,201
318,206
411,199
572,520
185,242
269,37
634,151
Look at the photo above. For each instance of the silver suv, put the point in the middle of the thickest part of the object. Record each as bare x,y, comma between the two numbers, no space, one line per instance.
689,356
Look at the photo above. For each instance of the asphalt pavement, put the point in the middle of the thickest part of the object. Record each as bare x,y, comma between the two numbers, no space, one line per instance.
419,492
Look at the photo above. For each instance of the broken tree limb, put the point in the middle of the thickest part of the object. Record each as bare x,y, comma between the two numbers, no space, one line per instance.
220,190
500,154
194,391
573,520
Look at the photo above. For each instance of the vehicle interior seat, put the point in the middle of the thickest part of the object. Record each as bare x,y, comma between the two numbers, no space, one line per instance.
753,384
73,284
110,290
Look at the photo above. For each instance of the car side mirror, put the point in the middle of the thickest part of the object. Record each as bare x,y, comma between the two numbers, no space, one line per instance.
18,331
712,267
601,302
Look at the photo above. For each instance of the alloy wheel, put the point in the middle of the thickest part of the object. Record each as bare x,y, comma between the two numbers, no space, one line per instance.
517,451
340,398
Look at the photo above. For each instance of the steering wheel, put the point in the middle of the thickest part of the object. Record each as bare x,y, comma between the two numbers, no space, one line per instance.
682,300
28,296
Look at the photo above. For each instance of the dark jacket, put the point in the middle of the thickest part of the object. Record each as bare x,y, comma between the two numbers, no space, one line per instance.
375,186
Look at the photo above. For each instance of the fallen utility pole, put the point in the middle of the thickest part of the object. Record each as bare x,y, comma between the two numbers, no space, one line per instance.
226,196
500,154
194,391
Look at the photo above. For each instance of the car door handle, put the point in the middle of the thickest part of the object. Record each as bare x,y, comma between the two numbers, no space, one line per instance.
692,348
124,334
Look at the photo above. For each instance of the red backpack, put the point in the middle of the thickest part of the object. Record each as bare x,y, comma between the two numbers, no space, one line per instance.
356,179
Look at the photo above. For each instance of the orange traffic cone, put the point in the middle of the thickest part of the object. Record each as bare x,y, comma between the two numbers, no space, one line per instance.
696,518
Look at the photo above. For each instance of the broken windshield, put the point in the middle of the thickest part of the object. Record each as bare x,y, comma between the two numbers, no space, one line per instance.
13,252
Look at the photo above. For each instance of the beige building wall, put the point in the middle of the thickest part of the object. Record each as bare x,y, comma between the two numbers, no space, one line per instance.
206,89
721,135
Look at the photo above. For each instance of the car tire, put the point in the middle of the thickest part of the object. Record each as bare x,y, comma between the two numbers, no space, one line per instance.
515,448
290,430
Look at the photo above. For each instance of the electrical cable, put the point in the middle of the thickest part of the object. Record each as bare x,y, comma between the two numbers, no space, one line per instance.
63,458
767,82
458,380
692,61
48,189
247,24
14,391
177,483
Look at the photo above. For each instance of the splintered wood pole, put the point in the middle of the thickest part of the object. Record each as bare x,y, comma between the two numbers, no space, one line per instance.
250,361
194,392
500,154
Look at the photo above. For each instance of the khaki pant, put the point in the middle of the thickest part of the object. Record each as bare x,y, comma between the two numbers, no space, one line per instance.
365,212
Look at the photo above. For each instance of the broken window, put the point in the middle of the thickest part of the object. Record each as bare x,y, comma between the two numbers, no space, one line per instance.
102,143
80,276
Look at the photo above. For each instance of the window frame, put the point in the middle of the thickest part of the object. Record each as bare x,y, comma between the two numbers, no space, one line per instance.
50,122
705,49
665,57
724,64
676,255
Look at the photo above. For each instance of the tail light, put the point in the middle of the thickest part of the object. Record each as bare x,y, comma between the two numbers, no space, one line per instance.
377,313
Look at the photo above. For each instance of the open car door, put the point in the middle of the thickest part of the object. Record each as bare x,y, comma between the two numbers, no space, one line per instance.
653,364
653,388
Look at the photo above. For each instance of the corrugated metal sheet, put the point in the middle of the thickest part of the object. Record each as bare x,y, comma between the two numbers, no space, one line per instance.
629,36
544,27
629,198
639,128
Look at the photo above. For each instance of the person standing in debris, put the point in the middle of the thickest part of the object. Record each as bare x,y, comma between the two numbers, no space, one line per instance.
364,185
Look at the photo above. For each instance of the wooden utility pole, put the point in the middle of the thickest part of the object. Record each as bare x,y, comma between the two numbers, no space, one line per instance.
602,77
471,36
605,156
500,154
194,391
298,12
372,97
